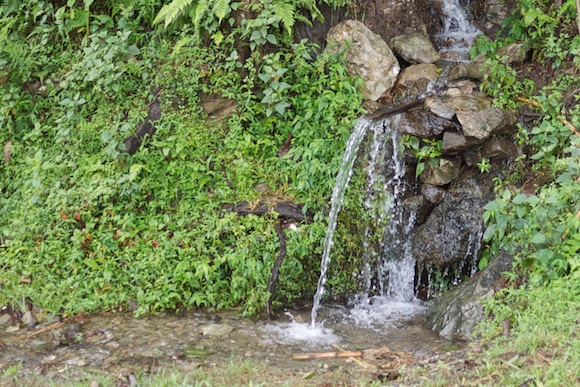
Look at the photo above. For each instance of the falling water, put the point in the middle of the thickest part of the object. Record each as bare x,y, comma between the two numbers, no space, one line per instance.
389,267
342,180
458,33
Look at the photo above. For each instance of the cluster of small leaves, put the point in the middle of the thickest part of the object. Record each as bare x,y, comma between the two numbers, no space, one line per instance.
426,151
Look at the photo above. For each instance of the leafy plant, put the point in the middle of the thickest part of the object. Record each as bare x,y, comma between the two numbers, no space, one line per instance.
428,153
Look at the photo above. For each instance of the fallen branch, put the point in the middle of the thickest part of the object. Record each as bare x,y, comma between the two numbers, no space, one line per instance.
327,355
284,209
45,329
395,109
564,120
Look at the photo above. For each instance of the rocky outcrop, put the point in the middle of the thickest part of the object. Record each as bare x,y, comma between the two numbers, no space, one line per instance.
368,56
455,315
454,228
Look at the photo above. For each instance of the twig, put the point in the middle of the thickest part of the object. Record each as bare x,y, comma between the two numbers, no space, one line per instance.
46,329
539,105
326,355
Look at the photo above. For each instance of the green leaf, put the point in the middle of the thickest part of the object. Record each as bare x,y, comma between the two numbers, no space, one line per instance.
91,263
519,199
538,238
133,50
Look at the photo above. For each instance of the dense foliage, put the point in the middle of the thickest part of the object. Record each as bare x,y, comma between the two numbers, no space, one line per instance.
86,226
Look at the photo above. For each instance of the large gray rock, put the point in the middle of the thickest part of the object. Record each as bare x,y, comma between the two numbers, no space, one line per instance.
455,315
416,79
415,48
367,55
451,236
483,123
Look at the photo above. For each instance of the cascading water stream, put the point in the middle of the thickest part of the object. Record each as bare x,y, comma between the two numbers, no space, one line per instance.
390,267
342,179
458,33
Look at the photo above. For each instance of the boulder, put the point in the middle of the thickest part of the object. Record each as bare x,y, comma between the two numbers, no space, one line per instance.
367,55
451,236
455,315
416,79
415,48
481,124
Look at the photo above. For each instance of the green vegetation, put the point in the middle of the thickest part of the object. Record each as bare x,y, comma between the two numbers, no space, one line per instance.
87,227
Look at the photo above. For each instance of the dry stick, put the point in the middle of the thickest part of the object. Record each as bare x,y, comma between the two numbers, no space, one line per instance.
327,355
46,329
360,362
539,105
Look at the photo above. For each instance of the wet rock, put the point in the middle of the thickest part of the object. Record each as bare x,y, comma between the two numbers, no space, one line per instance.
468,102
415,48
416,78
439,108
29,320
482,123
217,329
420,206
423,124
455,143
499,148
444,173
432,193
472,70
367,55
452,233
455,315
67,334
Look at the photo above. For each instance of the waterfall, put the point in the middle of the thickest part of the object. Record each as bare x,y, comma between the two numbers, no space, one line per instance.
342,179
388,265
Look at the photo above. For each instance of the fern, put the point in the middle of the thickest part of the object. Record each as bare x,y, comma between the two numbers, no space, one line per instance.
221,9
170,12
285,12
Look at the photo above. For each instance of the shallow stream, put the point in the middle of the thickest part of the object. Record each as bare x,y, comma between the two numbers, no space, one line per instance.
119,343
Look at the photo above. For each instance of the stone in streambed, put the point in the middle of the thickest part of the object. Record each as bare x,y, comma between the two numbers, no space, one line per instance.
415,48
217,329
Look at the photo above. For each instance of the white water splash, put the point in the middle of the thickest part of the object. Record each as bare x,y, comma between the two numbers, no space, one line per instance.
299,333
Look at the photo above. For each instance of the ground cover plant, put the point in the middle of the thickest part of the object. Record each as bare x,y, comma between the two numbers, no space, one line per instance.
87,226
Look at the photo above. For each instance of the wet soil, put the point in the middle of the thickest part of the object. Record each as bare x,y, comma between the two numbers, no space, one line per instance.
118,344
